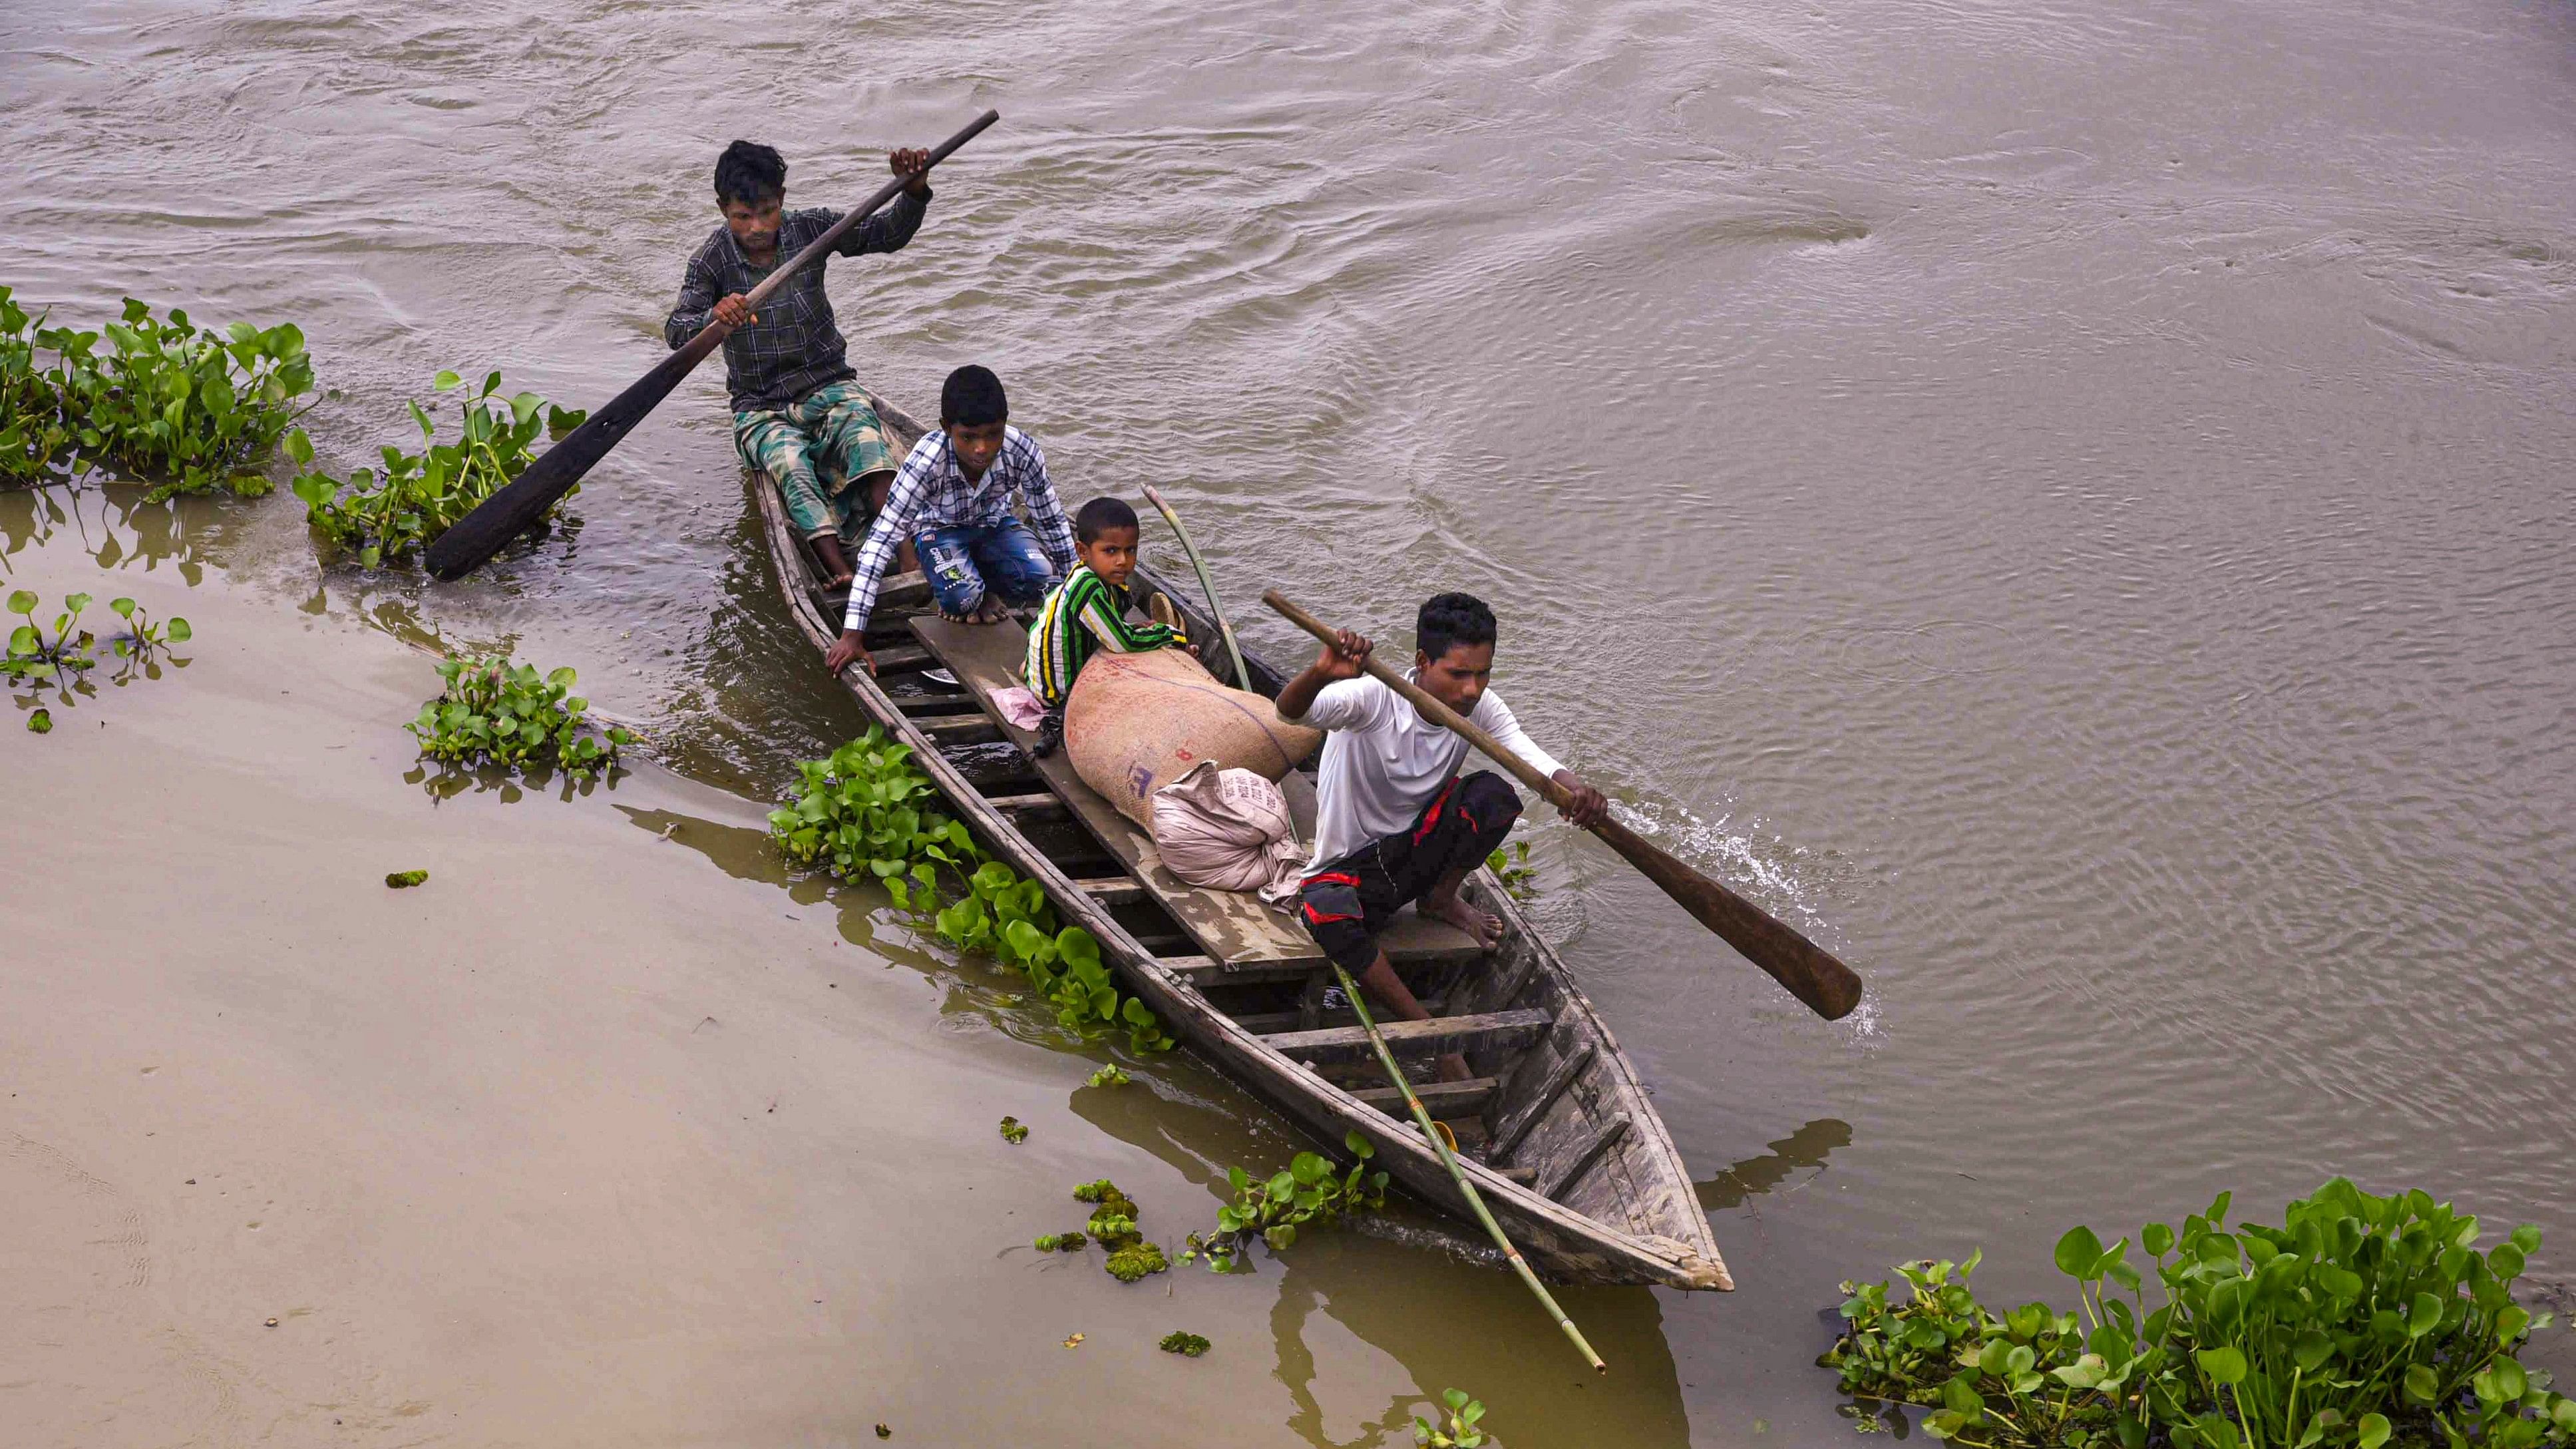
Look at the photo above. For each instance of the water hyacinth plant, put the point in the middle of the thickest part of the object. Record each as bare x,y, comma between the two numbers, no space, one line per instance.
2361,1320
1457,1427
384,516
186,409
868,813
494,712
62,655
33,434
1309,1193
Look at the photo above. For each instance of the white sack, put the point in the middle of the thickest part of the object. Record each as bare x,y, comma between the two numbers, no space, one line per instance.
1228,830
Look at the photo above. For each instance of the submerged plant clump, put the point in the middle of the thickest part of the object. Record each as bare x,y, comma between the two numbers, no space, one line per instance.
866,814
1188,1345
418,496
1136,1260
2361,1321
499,713
185,409
1309,1194
1113,1225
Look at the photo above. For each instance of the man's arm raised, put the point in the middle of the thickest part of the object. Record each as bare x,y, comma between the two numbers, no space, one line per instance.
1345,658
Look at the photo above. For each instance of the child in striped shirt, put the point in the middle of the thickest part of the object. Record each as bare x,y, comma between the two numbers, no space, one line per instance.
1088,613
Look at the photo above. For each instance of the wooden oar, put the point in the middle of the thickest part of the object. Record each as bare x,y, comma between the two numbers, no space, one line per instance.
1216,611
1811,973
1439,1137
513,510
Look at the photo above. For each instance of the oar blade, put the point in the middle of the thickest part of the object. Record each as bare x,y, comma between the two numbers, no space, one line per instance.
515,509
1809,972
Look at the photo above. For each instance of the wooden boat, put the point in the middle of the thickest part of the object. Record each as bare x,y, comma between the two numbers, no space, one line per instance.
1561,1141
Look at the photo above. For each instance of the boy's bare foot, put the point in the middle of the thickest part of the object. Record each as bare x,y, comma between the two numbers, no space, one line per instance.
1486,929
834,564
989,612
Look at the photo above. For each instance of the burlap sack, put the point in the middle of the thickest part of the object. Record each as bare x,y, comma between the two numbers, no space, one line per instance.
1228,830
1139,721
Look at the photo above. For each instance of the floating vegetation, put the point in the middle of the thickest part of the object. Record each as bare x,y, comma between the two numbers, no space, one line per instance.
1510,865
1457,1427
60,657
185,409
406,879
1113,1225
1013,1132
1061,1242
1073,1340
385,516
867,814
2361,1321
499,713
1109,1076
1309,1194
1135,1261
40,721
1187,1345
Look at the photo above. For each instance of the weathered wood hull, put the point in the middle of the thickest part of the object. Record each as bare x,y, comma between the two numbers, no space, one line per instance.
1561,1139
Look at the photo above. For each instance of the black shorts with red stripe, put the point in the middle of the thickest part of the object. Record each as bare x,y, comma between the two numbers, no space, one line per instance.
1351,900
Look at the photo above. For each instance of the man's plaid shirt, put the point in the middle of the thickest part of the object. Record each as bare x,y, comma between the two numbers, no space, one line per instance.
794,348
930,491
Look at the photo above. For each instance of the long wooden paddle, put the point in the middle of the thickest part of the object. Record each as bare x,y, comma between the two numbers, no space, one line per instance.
513,510
1811,973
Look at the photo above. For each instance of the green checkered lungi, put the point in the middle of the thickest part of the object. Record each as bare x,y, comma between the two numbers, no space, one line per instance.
819,451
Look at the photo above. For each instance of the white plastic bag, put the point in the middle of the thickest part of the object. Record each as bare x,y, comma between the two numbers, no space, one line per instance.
1228,830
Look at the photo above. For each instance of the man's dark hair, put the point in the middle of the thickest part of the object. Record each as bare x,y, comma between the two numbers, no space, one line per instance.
972,397
1099,516
750,173
1449,620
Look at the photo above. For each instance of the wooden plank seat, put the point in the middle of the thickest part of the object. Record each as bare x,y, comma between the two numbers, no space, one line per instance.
1490,1030
1445,1101
1232,927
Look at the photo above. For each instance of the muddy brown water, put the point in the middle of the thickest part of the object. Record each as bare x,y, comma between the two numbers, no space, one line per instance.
2067,503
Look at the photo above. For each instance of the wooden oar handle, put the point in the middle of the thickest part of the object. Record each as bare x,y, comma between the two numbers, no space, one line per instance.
861,212
1429,704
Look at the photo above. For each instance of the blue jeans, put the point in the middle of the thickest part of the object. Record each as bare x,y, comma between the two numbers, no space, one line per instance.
962,562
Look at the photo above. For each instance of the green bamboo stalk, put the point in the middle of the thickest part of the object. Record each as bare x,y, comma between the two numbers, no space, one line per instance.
1242,676
1458,1174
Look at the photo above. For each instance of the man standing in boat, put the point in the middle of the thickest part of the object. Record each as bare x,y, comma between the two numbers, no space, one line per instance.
1394,821
799,416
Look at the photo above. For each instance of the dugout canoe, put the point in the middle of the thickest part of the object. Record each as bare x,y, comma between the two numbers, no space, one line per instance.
1563,1143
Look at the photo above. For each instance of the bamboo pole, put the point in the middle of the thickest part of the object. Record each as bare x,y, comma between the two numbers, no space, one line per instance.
1457,1174
1242,676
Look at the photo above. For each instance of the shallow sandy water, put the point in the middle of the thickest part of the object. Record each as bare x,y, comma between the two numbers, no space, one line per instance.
605,1135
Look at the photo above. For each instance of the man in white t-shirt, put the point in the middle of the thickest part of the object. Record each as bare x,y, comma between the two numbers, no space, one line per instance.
1394,821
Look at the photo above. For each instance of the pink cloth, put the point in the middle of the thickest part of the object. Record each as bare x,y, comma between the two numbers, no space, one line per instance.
1019,706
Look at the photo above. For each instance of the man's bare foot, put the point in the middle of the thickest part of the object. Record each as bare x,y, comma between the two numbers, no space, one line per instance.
1486,929
974,615
1454,1068
989,612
